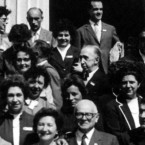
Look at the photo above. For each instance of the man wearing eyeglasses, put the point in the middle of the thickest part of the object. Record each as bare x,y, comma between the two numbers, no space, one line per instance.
35,18
4,42
87,116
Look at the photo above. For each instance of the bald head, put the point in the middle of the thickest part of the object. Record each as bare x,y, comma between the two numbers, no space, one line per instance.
86,104
86,114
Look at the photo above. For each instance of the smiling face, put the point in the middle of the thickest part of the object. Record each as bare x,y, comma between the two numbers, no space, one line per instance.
86,124
15,99
63,38
96,11
36,86
46,128
73,95
129,86
23,62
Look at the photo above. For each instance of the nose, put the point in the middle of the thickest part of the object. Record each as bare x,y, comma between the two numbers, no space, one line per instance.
14,98
128,84
45,127
36,85
84,117
82,60
71,97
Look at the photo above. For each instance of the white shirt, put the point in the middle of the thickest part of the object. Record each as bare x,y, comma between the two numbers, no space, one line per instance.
63,51
35,36
79,135
16,129
90,76
134,108
97,28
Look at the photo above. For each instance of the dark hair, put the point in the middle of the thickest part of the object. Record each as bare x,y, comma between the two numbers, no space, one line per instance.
122,68
37,71
4,11
34,8
65,25
41,48
19,33
73,79
24,48
48,112
12,81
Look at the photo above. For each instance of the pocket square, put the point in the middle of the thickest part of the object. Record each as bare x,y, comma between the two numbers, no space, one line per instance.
104,30
27,128
93,84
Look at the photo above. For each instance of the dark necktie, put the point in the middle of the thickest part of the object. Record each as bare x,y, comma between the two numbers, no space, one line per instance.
83,140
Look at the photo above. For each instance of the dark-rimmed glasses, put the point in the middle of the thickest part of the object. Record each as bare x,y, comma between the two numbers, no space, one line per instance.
80,115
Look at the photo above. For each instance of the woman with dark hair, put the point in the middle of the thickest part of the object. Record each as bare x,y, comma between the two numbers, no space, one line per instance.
64,55
19,36
24,59
47,126
121,115
73,90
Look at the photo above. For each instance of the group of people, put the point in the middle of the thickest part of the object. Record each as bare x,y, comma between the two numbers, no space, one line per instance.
70,87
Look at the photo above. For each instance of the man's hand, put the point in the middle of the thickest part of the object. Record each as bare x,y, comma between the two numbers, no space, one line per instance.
77,67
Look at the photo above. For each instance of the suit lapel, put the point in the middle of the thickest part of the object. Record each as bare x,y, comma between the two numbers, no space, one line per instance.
96,138
57,57
91,31
103,31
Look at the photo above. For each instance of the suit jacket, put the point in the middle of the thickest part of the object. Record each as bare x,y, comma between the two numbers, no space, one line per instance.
6,128
55,84
98,138
64,67
86,35
46,36
119,121
97,86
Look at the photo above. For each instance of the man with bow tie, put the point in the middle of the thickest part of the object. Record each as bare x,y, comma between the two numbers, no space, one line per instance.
96,80
87,116
98,33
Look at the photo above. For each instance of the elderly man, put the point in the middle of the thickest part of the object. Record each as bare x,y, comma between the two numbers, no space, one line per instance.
15,124
35,18
98,33
96,81
4,43
87,115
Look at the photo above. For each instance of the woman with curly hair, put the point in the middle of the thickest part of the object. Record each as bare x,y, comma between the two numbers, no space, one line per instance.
121,115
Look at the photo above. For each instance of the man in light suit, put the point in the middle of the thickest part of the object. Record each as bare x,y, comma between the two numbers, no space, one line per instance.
98,33
87,115
35,18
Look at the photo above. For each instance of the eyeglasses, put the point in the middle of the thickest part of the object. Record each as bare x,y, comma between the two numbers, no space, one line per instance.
3,19
34,18
80,115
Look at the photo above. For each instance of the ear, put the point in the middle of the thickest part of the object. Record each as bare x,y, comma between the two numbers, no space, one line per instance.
97,117
97,60
139,85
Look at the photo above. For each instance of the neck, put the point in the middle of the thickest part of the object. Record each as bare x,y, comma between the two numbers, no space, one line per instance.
45,142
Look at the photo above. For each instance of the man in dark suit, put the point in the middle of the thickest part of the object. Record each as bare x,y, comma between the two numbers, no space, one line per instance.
97,81
35,18
98,33
87,115
15,124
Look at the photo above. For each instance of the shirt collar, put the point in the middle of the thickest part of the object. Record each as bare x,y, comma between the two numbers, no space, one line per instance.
37,32
89,134
93,23
64,49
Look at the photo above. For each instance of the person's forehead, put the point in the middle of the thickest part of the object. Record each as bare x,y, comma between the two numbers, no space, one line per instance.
34,13
96,4
86,107
87,51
